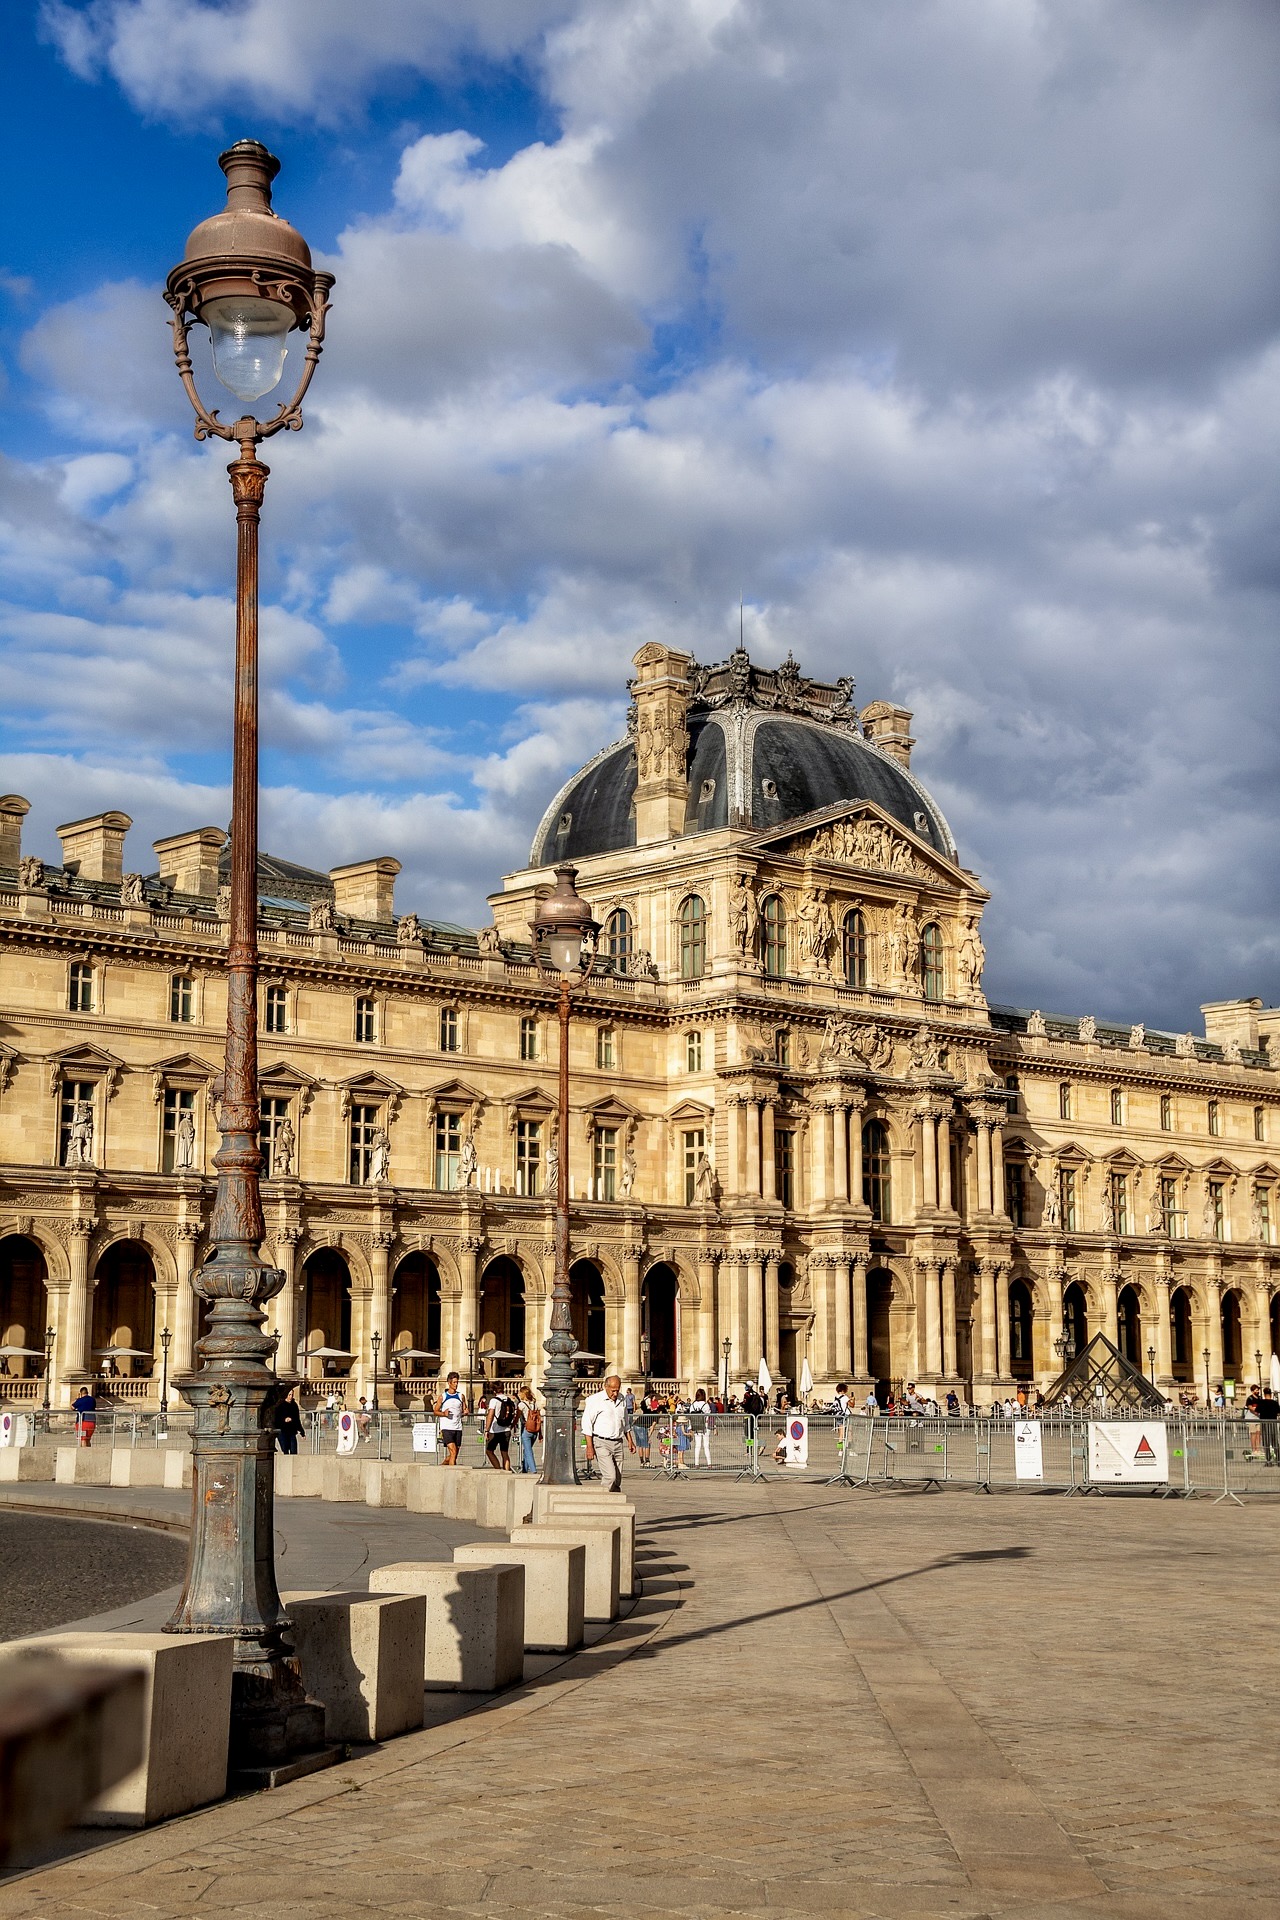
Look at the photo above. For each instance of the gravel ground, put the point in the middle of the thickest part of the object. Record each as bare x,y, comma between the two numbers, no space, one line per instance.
52,1571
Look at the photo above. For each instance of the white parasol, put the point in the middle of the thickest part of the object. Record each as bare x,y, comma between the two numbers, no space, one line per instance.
1275,1373
764,1379
806,1377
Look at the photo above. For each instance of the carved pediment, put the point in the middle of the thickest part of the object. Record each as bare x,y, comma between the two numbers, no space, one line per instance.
862,835
87,1061
282,1077
375,1089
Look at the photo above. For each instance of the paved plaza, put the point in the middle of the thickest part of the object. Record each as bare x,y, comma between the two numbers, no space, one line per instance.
881,1704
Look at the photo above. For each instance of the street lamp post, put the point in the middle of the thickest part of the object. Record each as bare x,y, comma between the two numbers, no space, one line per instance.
166,1341
247,276
726,1349
1207,1398
50,1335
1257,1361
1151,1364
564,945
375,1341
471,1369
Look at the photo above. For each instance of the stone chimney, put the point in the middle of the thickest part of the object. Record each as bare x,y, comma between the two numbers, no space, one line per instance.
13,811
889,727
367,889
189,861
1232,1020
95,847
661,690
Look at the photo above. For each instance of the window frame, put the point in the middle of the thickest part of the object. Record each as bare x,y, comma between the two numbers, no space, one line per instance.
933,963
693,1142
606,1051
529,1036
692,920
605,1164
693,1050
853,947
877,1169
1117,1106
268,1127
81,987
174,1101
275,1002
366,1016
182,1000
619,940
446,1148
1213,1116
363,1121
1065,1100
70,1093
1167,1114
529,1159
773,936
784,1166
447,1031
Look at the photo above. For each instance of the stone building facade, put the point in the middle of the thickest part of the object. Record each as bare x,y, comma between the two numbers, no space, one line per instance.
798,1130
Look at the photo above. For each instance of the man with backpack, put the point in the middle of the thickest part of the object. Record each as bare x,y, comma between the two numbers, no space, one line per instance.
499,1425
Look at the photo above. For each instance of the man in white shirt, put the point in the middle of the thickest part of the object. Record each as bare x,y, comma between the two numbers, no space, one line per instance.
604,1429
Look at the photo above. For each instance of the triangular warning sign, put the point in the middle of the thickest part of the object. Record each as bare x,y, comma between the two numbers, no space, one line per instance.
1145,1447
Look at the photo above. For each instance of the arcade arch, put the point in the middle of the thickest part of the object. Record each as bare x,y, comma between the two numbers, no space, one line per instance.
124,1308
24,1302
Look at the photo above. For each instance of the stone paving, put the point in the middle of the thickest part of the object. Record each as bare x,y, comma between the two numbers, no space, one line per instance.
867,1704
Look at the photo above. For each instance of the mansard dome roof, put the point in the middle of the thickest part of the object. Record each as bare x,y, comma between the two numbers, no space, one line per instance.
766,746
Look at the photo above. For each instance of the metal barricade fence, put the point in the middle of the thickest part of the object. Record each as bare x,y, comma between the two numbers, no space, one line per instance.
696,1443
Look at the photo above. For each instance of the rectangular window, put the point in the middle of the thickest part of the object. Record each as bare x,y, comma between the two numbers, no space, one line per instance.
366,1022
1262,1203
1067,1197
1215,1118
604,1046
1120,1201
1172,1216
1013,1089
448,1030
448,1150
695,1144
784,1164
1166,1112
1216,1211
176,1102
1015,1192
529,1158
273,1111
1117,1107
76,1131
276,1010
364,1124
80,993
693,1052
528,1037
1064,1100
181,999
1259,1123
606,1163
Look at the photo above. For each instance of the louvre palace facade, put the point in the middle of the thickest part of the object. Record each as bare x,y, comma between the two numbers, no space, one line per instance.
799,1130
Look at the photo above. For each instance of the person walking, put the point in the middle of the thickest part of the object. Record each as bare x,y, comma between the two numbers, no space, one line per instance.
604,1419
450,1411
1268,1416
288,1423
86,1410
530,1429
700,1424
501,1417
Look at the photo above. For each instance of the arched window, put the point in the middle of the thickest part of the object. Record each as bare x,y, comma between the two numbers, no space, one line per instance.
875,1169
619,939
693,938
931,968
773,933
855,948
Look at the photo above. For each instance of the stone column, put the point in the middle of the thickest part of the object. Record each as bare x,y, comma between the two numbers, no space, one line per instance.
752,1115
840,1152
852,1123
772,1304
182,1357
1110,1309
707,1360
996,1145
821,1153
928,1158
1213,1331
1262,1323
631,1256
858,1305
930,1320
379,1317
947,1284
755,1310
768,1152
984,1166
468,1316
945,1201
837,1278
1163,1342
1004,1359
76,1365
988,1273
1053,1285
733,1182
726,1318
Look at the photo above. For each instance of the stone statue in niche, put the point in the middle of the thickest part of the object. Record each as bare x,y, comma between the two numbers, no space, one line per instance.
80,1135
131,891
742,913
1257,1219
184,1142
971,958
1052,1215
1108,1208
283,1149
551,1170
817,927
467,1162
379,1158
705,1185
627,1179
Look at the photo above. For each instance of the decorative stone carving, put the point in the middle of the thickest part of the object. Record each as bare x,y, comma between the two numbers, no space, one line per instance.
489,943
283,1150
869,843
30,873
926,1052
645,965
1036,1027
409,930
320,917
468,1164
1138,1038
817,927
379,1158
551,1168
1087,1031
971,958
80,1136
744,914
131,891
848,1039
1231,1053
1108,1208
1052,1215
184,1143
1257,1222
706,1187
627,1179
1185,1046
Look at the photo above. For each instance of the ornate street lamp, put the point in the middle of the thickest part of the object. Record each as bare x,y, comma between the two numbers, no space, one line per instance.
166,1341
247,276
471,1369
50,1335
564,945
1151,1364
726,1349
375,1341
1205,1357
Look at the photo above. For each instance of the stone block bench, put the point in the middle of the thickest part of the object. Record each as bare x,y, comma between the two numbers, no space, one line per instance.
474,1620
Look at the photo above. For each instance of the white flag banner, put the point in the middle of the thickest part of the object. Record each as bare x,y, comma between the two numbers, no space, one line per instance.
797,1437
1128,1452
348,1432
1028,1454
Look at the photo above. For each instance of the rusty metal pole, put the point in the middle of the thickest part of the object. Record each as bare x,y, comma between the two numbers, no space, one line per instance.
230,1586
559,1464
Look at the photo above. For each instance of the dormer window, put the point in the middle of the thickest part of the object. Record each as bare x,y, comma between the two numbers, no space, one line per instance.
707,791
769,788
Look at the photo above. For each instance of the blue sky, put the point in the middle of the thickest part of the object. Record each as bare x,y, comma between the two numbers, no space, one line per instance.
945,332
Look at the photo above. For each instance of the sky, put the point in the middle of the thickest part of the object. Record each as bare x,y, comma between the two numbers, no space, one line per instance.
945,332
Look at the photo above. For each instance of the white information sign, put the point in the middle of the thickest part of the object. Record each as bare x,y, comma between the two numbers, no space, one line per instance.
797,1440
1028,1455
1128,1452
424,1436
348,1432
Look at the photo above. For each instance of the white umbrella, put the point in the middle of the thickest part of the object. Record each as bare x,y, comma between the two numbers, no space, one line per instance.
764,1379
497,1353
324,1353
412,1353
15,1353
138,1353
806,1376
1275,1373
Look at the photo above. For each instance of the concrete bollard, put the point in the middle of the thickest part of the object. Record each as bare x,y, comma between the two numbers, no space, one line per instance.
137,1467
186,1719
177,1467
385,1483
475,1621
556,1503
503,1500
362,1654
68,1730
83,1467
424,1488
602,1541
555,1580
300,1476
24,1463
342,1478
